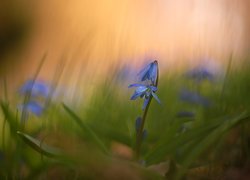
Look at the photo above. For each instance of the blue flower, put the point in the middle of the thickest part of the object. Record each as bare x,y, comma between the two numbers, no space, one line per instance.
200,73
150,72
144,91
36,88
33,107
194,98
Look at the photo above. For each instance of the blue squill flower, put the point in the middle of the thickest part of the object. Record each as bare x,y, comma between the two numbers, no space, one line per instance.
36,88
193,98
32,107
200,73
150,72
144,91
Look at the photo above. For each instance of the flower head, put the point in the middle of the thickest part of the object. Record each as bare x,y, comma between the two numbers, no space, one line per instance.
150,72
32,107
200,73
193,98
37,88
144,91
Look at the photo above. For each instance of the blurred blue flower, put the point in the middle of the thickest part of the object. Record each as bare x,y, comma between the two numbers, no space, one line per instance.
185,114
200,73
193,98
32,107
149,72
144,91
37,88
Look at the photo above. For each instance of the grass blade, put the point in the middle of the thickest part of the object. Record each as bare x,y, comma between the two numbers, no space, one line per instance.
86,128
10,118
39,146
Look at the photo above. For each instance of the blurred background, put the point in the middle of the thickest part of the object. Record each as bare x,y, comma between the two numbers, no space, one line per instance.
85,54
92,39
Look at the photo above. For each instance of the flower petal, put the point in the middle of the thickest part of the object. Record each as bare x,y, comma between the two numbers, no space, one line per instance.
144,72
149,72
156,97
135,85
153,88
37,88
32,107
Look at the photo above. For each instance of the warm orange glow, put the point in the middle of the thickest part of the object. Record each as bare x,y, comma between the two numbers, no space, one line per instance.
94,35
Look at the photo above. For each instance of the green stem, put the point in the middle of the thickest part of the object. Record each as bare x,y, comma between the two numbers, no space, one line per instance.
140,132
139,136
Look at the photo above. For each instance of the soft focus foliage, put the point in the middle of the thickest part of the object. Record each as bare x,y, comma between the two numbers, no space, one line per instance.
201,125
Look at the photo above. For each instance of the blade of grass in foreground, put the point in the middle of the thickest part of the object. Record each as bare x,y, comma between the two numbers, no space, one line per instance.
208,140
5,95
9,117
39,146
168,147
27,97
86,128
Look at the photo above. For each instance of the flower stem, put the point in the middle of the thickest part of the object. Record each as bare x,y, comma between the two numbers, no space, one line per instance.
140,132
139,135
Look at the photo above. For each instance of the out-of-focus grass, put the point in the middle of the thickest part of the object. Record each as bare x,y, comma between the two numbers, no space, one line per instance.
216,139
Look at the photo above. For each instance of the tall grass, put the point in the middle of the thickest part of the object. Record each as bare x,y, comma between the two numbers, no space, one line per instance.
98,140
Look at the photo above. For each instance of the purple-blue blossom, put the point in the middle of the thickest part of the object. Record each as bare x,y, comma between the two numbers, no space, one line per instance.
36,88
150,72
144,91
200,73
194,98
32,107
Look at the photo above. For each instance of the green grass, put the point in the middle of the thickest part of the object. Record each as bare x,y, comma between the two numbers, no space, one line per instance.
80,142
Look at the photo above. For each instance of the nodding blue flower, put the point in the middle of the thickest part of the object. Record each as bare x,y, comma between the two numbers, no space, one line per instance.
150,72
36,88
200,73
33,107
144,91
185,114
193,98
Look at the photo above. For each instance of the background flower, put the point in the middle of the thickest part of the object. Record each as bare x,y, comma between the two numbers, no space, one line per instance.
37,88
32,107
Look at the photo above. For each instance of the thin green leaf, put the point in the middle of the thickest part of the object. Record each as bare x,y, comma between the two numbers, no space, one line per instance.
211,138
169,146
39,146
86,128
10,118
28,94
